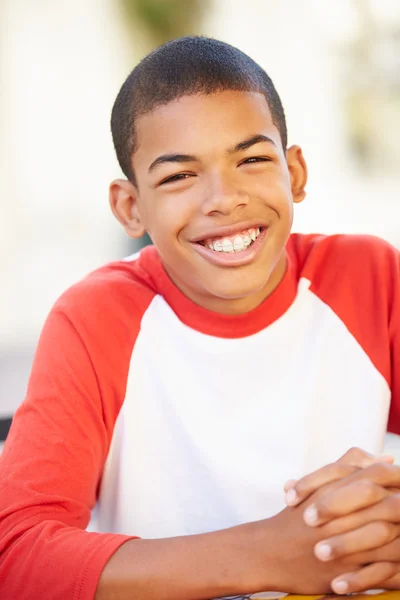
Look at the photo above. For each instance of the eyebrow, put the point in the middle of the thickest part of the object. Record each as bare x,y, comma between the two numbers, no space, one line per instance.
186,158
172,158
259,138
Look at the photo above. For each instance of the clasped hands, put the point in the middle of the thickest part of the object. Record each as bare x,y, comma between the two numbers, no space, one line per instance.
357,503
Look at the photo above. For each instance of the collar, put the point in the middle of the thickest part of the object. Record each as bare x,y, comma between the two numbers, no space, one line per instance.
218,324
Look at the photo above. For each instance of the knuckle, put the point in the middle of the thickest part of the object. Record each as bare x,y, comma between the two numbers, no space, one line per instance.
394,503
392,471
354,454
366,489
378,471
334,469
349,470
320,493
323,505
339,470
383,530
387,468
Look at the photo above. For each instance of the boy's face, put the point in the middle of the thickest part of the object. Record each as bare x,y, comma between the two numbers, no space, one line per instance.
215,193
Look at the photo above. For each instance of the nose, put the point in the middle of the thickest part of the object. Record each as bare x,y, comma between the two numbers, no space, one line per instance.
223,196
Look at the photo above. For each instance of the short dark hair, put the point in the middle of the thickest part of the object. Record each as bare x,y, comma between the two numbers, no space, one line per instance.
186,66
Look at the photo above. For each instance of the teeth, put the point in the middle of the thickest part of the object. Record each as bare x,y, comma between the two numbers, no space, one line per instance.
247,240
217,246
227,245
237,244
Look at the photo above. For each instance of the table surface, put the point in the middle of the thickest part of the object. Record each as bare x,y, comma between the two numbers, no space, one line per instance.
382,596
394,595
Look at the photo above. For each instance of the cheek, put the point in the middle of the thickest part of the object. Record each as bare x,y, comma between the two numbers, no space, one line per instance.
167,219
277,194
273,183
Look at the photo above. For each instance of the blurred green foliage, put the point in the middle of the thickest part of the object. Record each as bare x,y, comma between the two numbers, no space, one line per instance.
166,19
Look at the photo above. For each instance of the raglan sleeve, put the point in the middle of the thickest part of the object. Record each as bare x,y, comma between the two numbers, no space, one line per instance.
50,470
394,337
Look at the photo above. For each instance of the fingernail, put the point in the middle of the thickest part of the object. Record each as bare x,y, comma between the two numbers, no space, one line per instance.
311,515
323,551
386,458
340,586
291,497
289,484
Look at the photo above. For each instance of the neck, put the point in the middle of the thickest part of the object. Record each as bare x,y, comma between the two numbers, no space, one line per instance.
234,306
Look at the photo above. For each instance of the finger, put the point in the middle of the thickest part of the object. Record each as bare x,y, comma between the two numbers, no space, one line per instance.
387,509
344,500
372,535
289,484
393,583
359,458
383,474
310,483
351,462
371,576
388,553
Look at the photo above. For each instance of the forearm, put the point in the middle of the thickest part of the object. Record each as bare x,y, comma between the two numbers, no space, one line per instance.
194,567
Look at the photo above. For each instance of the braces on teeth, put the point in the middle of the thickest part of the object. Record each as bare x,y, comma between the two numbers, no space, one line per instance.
239,243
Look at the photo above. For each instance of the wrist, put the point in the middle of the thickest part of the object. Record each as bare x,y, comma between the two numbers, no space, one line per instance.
260,567
230,562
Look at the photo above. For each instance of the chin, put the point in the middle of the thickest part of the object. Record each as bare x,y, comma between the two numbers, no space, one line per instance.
240,291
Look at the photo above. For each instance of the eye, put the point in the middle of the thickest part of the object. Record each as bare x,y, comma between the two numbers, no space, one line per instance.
177,177
255,159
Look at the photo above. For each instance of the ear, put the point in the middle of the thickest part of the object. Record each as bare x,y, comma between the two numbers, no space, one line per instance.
124,205
298,172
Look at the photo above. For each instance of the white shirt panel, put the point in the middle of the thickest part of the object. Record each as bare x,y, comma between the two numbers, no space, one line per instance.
211,428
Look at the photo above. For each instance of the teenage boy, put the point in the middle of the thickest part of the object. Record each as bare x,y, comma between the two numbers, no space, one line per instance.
181,388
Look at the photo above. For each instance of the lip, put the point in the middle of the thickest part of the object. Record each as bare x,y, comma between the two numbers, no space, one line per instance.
228,230
233,259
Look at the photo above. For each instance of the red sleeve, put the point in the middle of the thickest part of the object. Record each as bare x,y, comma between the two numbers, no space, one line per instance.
53,458
359,278
394,336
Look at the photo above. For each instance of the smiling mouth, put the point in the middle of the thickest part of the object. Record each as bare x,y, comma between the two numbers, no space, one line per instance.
235,243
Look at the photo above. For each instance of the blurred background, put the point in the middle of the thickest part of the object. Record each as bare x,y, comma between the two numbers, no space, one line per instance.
336,66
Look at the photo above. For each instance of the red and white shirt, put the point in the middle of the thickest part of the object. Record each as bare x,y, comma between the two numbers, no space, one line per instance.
176,420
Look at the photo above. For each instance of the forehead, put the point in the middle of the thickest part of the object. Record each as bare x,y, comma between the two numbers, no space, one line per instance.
199,124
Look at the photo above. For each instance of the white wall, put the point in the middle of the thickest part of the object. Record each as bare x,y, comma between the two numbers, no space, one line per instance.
62,65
